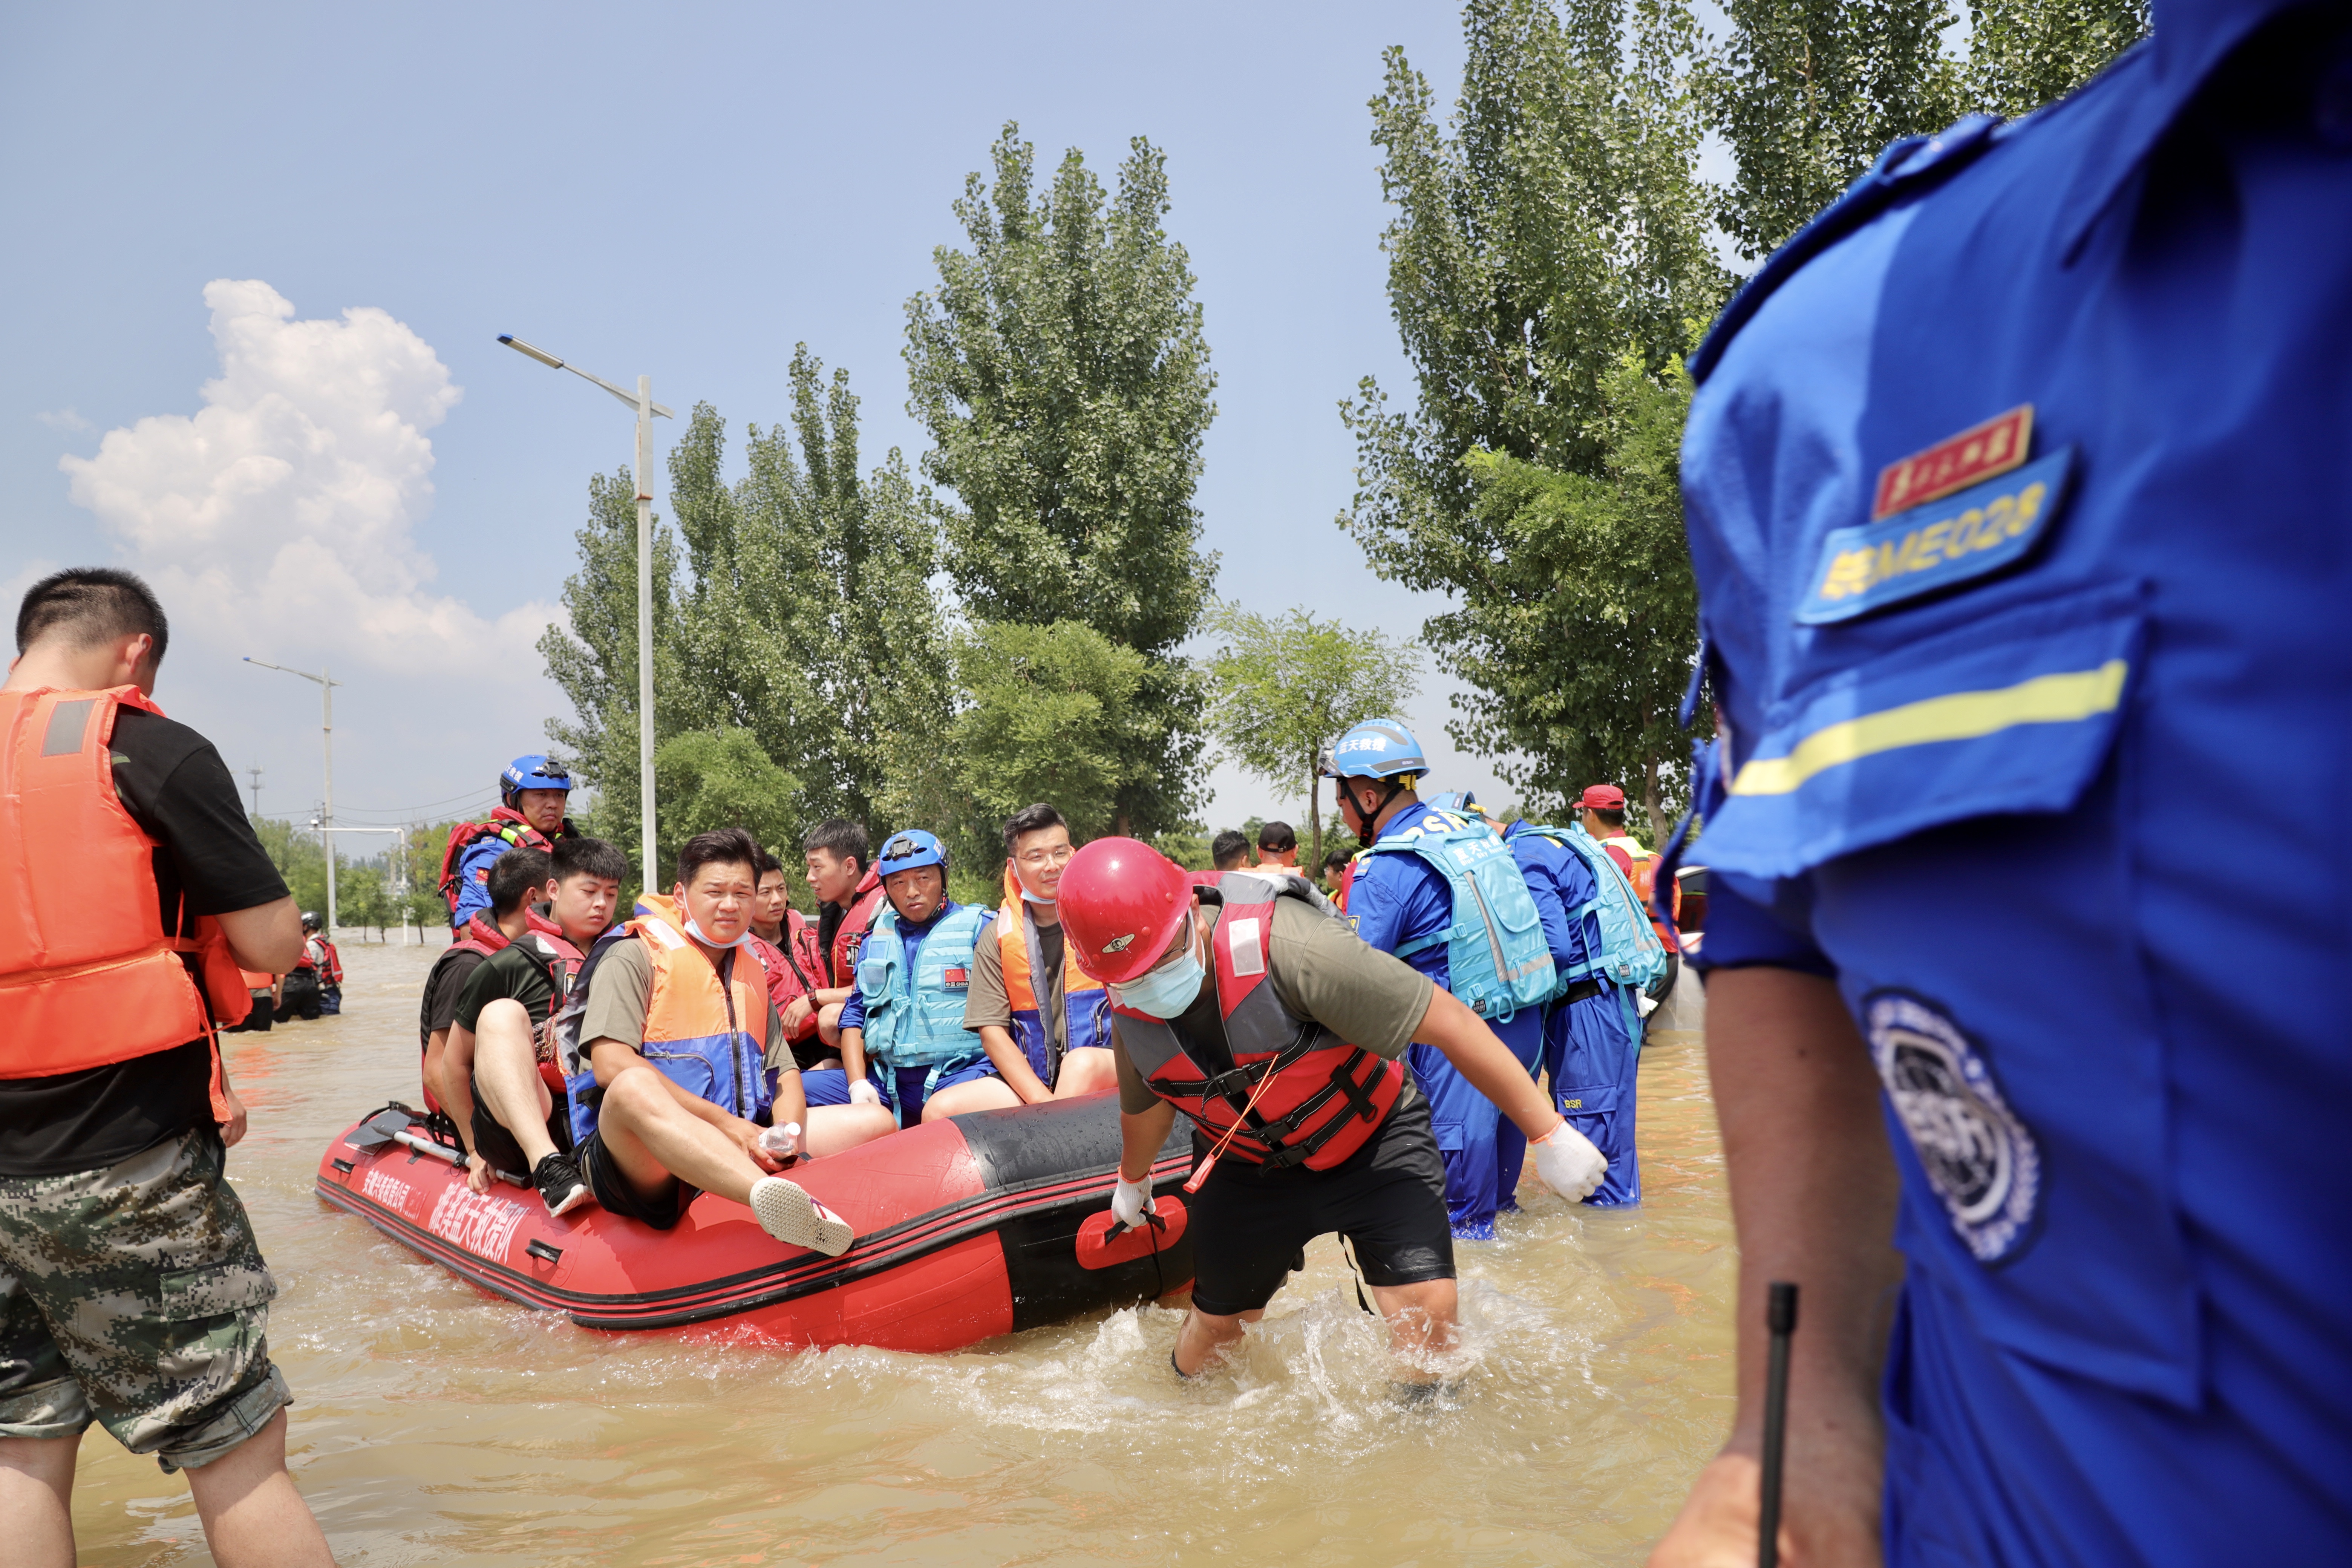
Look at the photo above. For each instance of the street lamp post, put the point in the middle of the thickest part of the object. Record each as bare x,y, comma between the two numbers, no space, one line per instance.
326,728
647,410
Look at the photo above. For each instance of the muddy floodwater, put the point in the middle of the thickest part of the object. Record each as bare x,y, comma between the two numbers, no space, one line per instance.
434,1425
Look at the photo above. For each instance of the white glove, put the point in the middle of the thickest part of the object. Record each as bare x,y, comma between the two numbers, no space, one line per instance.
1130,1202
863,1093
1567,1163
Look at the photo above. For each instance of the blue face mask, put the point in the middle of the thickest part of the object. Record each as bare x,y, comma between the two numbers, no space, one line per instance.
1167,991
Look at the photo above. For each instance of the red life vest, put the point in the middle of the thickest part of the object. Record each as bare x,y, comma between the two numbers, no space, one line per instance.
89,975
1327,1098
506,822
850,936
331,971
794,969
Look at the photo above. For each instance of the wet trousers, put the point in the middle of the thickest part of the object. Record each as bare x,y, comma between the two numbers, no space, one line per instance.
1592,1050
1483,1149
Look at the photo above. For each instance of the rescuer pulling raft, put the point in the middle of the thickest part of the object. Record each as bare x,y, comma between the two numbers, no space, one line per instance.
1278,1032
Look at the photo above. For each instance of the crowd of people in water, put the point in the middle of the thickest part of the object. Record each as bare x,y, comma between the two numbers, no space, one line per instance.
566,1044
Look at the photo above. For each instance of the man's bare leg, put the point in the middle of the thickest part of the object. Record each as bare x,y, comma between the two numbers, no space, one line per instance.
835,1129
36,1478
506,1070
1424,1326
1090,1070
655,1139
980,1094
253,1517
1205,1333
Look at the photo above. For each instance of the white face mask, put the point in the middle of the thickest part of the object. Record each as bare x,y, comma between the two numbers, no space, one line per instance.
696,932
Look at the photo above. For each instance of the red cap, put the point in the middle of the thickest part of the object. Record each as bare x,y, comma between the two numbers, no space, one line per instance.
1121,901
1601,797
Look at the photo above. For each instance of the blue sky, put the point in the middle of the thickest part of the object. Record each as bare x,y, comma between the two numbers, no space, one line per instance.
683,192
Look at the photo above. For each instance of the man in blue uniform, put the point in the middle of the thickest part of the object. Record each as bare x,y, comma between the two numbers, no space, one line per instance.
2017,497
1401,902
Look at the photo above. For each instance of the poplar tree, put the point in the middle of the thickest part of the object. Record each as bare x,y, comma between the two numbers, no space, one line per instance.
1548,265
1061,370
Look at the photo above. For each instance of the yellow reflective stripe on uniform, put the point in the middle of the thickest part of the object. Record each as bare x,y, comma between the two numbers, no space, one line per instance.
2060,698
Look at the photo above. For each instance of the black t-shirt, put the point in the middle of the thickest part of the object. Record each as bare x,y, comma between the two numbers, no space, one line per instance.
175,786
514,971
443,987
1049,954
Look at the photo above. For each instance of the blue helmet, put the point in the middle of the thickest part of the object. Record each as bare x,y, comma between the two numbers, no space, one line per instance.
1462,800
533,771
1376,749
914,847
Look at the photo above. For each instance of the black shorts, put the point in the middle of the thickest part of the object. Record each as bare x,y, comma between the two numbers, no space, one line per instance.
495,1144
1388,1198
614,1195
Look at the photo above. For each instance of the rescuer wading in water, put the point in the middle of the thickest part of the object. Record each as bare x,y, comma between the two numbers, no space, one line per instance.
1264,1019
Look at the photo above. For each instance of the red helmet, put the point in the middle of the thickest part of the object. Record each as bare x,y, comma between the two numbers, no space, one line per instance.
1121,901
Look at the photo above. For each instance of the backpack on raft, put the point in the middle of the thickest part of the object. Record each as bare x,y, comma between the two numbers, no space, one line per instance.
1631,951
518,835
1496,958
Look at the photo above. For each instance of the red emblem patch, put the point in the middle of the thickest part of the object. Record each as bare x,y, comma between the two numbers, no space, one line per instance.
1975,454
957,977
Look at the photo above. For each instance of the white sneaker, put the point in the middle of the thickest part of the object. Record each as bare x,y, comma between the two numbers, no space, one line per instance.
797,1219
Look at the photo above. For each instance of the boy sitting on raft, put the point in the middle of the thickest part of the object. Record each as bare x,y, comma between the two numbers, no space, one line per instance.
914,975
664,1040
491,1074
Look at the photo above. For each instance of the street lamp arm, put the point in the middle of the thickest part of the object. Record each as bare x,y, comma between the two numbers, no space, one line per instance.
315,679
548,360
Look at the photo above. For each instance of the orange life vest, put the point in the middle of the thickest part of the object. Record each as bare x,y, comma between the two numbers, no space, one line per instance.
706,1037
1327,1098
1085,1005
89,975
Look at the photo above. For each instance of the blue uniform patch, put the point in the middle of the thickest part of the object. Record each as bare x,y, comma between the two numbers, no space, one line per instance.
1929,547
1980,1158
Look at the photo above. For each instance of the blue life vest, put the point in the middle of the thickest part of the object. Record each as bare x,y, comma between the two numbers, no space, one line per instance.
917,1021
1496,960
1631,953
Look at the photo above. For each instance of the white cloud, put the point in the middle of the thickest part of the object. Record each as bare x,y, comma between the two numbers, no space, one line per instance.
62,419
279,517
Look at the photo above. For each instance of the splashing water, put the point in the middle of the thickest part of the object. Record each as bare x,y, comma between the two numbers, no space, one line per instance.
436,1425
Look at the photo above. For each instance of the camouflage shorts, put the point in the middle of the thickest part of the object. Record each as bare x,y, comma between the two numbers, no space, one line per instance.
135,1296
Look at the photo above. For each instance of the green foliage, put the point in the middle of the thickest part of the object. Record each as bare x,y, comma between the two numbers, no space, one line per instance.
1596,565
1061,370
1046,713
724,778
1285,687
363,899
793,609
1546,266
2023,54
1187,844
296,853
1808,91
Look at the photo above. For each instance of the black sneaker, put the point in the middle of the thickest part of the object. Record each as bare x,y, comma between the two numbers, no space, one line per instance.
558,1182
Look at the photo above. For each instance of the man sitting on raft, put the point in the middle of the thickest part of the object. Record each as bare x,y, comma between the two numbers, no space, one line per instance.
914,975
664,1040
495,1094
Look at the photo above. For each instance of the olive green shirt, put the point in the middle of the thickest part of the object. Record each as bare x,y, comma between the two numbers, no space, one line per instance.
1320,969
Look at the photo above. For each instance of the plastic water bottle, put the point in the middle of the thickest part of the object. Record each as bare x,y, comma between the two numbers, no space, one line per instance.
782,1142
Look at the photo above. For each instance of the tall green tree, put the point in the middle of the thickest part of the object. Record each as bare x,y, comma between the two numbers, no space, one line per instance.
1061,370
1284,688
1808,91
1610,546
1546,260
793,611
2023,54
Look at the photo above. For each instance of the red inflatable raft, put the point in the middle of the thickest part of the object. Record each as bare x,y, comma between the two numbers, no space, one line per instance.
967,1228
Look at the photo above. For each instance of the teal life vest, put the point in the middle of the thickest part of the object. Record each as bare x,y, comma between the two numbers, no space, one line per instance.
917,1021
1630,953
1496,960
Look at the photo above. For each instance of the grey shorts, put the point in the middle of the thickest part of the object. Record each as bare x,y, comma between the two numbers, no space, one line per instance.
135,1296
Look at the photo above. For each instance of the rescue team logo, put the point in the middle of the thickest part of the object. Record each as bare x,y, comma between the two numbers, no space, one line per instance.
1954,541
1120,943
1995,447
1980,1157
389,1191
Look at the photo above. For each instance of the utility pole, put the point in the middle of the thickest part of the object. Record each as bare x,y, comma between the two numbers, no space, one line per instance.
256,790
327,814
648,411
